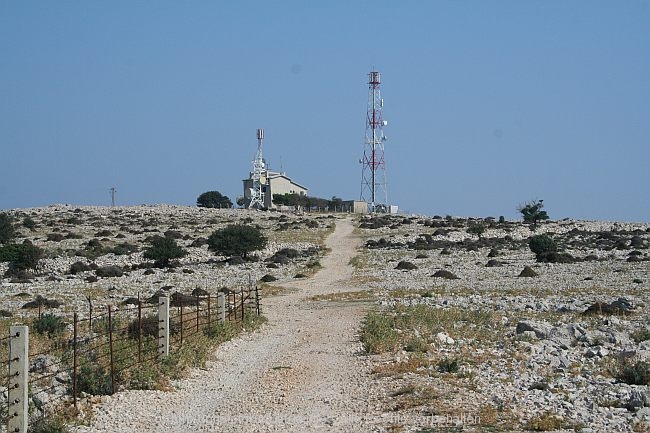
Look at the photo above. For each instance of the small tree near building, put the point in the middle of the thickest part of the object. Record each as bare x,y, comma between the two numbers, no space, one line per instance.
236,240
213,199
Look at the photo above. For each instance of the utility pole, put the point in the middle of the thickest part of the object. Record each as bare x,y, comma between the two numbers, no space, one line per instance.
113,190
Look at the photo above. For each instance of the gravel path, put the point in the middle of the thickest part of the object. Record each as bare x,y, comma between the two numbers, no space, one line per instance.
301,372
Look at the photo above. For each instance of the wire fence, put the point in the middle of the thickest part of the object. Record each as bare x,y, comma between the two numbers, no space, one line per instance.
109,348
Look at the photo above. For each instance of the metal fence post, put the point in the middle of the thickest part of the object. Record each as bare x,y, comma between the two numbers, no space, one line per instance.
221,307
209,311
242,304
110,347
18,379
139,329
163,326
75,360
198,311
181,309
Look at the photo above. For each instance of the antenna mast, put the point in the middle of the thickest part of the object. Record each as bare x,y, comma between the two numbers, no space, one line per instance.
113,190
373,171
259,178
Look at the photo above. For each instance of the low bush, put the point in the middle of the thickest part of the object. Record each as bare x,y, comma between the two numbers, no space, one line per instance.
449,365
109,271
50,424
49,324
29,223
542,244
94,379
632,372
640,335
378,333
123,249
78,267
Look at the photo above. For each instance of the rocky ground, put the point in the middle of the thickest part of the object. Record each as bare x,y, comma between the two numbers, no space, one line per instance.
477,347
527,355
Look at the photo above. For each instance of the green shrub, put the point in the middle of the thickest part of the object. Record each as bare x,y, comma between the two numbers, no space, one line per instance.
236,240
50,424
416,345
542,244
29,223
7,230
78,267
378,333
476,229
163,250
449,365
49,324
94,379
220,332
213,199
109,271
123,249
149,326
632,372
9,252
640,335
25,256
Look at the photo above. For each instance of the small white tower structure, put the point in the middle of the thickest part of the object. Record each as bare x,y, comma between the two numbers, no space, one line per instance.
258,175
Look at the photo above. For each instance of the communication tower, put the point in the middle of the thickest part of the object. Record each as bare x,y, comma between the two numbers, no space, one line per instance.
259,178
373,166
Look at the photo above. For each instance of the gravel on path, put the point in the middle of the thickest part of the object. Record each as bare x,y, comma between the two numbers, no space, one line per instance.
303,371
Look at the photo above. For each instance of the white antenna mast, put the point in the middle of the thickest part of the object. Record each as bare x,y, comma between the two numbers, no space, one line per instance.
259,178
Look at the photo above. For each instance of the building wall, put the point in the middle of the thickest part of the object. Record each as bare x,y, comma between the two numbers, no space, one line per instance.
276,184
355,206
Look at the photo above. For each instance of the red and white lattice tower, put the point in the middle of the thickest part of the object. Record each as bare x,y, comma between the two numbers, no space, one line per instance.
373,171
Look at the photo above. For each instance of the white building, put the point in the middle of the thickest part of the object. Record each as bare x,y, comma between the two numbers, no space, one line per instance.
273,183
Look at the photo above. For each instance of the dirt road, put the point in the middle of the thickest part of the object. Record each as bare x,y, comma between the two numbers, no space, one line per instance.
302,372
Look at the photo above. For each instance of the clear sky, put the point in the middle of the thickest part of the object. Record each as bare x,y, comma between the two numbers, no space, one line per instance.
489,103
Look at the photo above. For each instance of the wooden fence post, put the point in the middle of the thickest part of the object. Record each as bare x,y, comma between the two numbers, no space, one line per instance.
221,307
163,326
18,379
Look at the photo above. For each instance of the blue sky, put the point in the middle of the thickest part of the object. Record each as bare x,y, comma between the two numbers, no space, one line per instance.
489,103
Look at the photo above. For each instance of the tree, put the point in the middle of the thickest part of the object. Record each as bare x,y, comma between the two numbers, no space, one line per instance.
335,204
236,240
163,250
213,199
7,230
25,256
532,212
